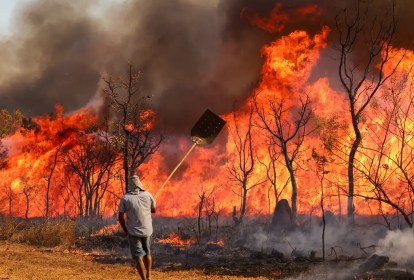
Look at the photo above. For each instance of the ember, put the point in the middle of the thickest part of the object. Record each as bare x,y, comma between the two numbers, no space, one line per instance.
219,243
175,240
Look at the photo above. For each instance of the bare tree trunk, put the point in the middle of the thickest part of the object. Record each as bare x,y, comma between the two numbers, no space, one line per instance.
242,169
323,216
216,218
26,195
126,165
339,203
351,179
49,179
11,205
243,206
200,211
294,191
81,211
287,135
10,195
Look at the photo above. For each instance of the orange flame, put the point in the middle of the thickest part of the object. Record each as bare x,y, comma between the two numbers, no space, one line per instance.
289,63
175,240
218,243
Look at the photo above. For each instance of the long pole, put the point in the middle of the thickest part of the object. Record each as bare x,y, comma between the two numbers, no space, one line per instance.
175,169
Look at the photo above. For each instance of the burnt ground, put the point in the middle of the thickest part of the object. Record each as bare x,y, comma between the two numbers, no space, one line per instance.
243,262
244,256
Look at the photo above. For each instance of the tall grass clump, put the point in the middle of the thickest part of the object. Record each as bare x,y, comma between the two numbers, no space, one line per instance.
47,233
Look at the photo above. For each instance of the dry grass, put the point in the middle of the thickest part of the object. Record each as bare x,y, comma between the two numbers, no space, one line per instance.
18,261
49,233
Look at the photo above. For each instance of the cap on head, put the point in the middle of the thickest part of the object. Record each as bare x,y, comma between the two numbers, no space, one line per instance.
134,183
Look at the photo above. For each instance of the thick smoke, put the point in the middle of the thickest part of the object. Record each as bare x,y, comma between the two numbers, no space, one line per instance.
59,50
194,54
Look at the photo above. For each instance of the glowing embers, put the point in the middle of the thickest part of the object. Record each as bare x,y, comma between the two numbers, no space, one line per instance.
174,240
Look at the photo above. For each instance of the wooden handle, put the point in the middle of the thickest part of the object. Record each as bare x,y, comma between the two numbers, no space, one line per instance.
175,169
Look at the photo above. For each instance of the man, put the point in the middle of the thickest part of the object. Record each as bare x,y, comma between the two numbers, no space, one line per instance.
138,205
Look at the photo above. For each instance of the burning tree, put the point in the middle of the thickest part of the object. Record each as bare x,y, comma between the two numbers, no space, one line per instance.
208,203
52,167
241,171
286,133
91,160
388,155
29,191
132,120
362,78
272,173
9,122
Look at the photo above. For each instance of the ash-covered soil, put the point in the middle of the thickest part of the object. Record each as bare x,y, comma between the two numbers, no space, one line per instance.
255,250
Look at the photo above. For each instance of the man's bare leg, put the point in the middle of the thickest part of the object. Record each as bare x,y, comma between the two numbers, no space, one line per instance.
148,265
140,267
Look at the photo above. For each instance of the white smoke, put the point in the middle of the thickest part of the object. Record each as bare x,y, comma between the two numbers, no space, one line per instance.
399,246
340,240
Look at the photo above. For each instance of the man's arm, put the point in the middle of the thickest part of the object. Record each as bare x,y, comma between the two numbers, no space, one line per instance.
121,220
153,204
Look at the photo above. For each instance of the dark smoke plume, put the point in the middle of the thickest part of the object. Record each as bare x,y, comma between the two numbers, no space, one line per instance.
194,54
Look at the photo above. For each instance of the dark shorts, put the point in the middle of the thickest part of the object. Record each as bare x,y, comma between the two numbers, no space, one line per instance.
139,246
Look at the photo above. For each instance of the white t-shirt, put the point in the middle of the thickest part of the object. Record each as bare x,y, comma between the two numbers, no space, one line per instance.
137,206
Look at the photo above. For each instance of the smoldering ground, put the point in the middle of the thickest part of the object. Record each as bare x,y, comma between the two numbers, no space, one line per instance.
193,54
367,250
350,251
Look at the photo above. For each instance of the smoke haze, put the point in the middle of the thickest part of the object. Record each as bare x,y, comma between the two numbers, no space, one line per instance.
194,54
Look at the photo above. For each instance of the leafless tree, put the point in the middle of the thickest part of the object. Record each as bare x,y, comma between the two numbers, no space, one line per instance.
389,153
272,173
363,77
65,195
210,210
207,205
216,217
74,187
11,195
28,191
241,170
52,166
286,132
321,161
202,197
133,121
91,160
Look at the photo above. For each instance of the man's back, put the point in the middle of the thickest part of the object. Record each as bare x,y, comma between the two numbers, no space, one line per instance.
137,206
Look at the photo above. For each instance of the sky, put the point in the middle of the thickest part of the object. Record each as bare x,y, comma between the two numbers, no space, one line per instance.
6,13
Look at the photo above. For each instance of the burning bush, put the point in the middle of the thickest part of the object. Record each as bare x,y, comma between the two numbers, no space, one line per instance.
175,240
